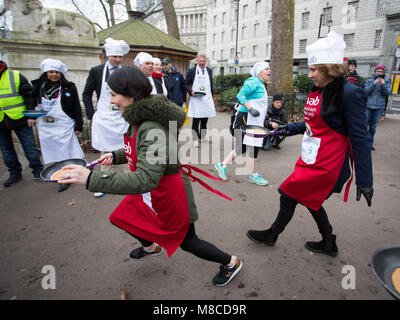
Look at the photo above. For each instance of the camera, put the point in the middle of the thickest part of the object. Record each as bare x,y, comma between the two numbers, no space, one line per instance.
382,76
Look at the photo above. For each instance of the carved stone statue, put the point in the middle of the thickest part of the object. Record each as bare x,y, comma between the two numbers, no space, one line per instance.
30,20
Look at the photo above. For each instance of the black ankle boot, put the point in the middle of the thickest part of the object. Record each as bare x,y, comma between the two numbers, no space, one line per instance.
263,236
327,245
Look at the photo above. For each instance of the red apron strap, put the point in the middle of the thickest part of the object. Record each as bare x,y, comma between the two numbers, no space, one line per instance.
346,192
194,179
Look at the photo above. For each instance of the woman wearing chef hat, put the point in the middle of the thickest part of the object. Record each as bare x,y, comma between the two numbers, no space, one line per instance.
253,98
108,126
63,121
334,131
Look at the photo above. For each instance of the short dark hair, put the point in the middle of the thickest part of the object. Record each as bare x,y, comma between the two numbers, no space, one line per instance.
131,82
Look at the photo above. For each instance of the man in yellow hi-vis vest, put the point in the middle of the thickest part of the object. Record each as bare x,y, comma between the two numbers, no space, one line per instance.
15,97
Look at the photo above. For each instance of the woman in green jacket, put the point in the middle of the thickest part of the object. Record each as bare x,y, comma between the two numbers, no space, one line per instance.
159,209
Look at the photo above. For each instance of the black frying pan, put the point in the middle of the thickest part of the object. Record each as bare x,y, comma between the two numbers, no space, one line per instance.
53,168
385,261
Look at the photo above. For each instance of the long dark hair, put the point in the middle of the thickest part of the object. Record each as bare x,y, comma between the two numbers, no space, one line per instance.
131,82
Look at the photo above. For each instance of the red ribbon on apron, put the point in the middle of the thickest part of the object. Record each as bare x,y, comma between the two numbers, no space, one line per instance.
160,216
323,154
195,179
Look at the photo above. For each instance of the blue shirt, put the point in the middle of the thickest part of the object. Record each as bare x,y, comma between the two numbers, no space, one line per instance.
253,88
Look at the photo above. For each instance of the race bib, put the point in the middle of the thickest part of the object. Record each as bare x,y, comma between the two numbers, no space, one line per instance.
309,149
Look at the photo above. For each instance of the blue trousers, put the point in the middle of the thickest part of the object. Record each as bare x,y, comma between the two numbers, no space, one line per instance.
25,136
373,116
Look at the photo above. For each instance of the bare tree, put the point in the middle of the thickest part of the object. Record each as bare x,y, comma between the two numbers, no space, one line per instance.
282,46
170,18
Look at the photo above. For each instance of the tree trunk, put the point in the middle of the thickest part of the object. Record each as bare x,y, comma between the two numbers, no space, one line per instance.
111,3
282,47
128,5
170,18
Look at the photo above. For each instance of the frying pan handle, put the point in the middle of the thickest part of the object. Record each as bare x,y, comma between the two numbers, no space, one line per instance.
94,163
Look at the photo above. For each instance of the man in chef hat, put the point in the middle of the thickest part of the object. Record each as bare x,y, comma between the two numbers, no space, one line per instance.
334,130
108,126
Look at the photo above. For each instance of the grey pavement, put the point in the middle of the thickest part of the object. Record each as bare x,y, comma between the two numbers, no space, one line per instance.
71,232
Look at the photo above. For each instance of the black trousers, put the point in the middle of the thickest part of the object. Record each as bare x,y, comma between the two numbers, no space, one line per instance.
199,126
200,248
286,213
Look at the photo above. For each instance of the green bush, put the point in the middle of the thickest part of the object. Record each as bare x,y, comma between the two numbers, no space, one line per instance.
227,97
303,83
222,83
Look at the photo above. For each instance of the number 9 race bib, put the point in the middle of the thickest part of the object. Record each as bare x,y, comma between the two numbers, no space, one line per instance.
309,149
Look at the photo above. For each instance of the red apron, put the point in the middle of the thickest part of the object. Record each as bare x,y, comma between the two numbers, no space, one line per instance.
323,154
160,216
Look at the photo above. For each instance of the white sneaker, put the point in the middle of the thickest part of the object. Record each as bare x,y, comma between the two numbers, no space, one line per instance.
99,194
196,143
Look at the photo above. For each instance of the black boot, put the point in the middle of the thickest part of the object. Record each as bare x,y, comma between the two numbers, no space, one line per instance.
263,236
13,179
63,187
327,245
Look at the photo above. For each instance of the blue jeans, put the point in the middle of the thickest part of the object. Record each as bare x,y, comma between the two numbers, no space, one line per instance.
373,116
25,136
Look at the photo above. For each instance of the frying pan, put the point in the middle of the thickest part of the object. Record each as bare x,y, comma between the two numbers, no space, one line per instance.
34,113
200,93
53,168
385,261
267,132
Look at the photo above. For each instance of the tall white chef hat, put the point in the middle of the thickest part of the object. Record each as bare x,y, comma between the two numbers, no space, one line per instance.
142,57
329,50
116,47
258,67
53,64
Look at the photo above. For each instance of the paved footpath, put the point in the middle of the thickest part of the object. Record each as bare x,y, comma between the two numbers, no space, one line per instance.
70,231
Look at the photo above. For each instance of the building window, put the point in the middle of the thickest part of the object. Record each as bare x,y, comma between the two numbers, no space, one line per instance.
352,11
258,6
232,53
223,17
267,49
382,8
256,28
255,49
349,40
245,10
222,54
302,45
233,33
243,32
242,52
269,26
214,36
213,55
215,21
378,38
327,15
305,18
222,36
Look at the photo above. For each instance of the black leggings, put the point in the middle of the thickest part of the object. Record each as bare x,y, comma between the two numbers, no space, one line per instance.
286,212
196,246
199,126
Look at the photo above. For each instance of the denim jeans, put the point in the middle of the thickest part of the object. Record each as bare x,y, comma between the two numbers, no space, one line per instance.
373,116
25,136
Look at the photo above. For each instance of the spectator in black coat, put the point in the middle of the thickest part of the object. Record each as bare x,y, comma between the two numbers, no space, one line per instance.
354,77
176,81
275,112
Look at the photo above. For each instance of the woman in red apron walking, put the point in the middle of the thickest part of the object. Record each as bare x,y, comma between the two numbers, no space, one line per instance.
334,131
159,209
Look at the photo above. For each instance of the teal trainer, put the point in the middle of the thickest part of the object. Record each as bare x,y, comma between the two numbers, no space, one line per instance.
257,179
221,171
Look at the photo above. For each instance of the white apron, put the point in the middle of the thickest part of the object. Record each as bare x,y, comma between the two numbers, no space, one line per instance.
201,106
154,91
56,133
261,105
108,126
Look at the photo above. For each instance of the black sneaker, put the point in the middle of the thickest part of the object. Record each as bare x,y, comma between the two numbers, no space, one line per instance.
12,180
226,274
263,236
140,253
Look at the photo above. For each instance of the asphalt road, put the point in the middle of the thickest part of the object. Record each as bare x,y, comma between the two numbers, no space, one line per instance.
70,232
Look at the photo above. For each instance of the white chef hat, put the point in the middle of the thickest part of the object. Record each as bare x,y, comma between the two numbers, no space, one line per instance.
116,47
258,67
329,50
156,60
53,64
142,57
